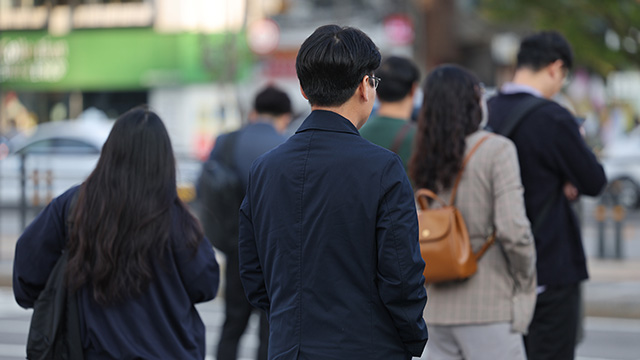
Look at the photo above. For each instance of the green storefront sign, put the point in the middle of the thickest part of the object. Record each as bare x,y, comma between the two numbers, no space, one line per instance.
119,59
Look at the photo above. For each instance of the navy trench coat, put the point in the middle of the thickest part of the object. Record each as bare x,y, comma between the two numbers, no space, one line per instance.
329,247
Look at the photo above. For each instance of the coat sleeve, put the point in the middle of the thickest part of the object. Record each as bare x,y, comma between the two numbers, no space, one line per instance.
578,163
198,269
38,250
510,218
514,233
400,265
251,274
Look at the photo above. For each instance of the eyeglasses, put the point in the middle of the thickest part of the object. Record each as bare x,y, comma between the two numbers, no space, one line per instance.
374,81
567,76
482,91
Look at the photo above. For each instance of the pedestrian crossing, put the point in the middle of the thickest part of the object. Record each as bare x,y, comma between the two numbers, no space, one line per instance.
14,327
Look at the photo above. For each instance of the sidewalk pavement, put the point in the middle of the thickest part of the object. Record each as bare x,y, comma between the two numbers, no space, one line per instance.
612,291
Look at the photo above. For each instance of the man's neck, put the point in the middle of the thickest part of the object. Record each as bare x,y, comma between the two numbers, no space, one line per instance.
344,110
398,110
531,79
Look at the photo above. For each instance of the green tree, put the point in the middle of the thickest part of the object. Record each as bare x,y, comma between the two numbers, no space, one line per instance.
604,34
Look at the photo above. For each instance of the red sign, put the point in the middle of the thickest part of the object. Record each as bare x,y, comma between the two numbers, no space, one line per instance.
399,29
263,36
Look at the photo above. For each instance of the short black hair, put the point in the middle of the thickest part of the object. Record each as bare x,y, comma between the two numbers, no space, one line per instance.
332,61
543,48
397,77
272,101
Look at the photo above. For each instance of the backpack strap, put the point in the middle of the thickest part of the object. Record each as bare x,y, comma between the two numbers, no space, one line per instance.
464,163
514,118
518,113
423,203
490,240
401,135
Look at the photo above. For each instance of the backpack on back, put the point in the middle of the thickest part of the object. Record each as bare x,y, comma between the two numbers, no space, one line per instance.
444,239
220,192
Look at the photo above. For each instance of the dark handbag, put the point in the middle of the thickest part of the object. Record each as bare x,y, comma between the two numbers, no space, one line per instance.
220,192
54,332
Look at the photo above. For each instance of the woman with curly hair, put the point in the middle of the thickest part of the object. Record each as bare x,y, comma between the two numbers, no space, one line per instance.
484,316
137,262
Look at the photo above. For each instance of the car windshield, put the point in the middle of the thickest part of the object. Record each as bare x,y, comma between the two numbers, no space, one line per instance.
60,146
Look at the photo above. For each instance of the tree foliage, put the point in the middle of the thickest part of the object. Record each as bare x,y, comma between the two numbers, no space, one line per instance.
587,24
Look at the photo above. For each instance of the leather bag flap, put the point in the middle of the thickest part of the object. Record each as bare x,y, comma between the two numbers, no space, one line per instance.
435,224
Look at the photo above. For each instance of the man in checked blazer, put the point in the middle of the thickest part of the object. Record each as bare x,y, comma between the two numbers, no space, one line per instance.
328,229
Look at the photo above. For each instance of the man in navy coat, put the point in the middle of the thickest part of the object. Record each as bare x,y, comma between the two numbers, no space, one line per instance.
328,241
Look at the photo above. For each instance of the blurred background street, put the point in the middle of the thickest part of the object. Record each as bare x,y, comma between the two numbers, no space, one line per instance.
69,68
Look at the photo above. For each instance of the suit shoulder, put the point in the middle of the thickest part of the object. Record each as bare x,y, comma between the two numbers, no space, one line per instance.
495,143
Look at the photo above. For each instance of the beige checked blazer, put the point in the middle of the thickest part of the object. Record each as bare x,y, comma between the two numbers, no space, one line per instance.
504,288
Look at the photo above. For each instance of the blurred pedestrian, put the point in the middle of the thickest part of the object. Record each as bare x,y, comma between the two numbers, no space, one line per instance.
484,316
391,127
328,229
137,262
553,158
270,116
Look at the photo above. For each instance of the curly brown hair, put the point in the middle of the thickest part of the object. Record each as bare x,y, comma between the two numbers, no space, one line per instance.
451,110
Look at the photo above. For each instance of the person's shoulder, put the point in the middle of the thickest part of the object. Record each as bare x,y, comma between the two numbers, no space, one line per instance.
68,195
62,202
277,153
495,143
366,146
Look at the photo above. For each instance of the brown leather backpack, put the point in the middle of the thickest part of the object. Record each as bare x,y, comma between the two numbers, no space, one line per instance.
444,240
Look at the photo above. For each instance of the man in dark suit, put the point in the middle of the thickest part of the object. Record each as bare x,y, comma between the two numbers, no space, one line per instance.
270,116
328,228
554,161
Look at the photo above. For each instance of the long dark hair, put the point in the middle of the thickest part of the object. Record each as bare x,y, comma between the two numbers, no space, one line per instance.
122,219
450,111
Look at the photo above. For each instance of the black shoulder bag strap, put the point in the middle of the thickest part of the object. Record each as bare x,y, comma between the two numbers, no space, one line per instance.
516,115
228,149
512,121
74,339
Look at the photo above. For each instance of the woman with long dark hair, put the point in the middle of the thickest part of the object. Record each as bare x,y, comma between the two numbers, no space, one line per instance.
484,316
137,262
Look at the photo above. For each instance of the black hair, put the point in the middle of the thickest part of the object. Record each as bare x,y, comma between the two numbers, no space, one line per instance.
122,219
398,75
331,63
543,48
272,101
450,111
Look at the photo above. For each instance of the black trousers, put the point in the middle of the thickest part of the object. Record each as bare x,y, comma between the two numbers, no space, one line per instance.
553,330
237,313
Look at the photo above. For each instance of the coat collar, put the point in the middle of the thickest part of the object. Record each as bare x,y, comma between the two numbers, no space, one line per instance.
327,121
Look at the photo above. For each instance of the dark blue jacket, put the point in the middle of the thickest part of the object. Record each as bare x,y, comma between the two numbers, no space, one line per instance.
329,247
253,140
552,152
160,324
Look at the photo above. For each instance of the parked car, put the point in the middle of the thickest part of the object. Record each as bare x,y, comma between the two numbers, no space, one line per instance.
61,154
621,162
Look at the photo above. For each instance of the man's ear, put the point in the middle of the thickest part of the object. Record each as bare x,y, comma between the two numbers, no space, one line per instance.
303,94
253,116
414,88
363,88
555,69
